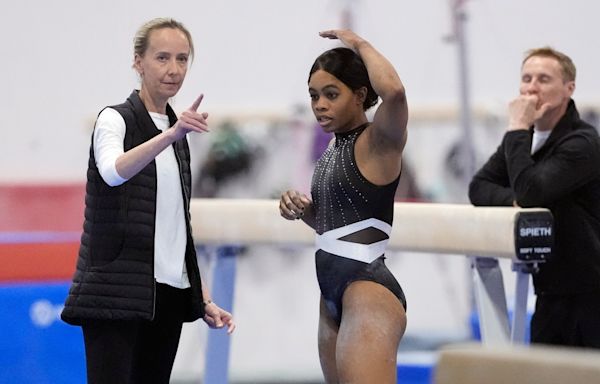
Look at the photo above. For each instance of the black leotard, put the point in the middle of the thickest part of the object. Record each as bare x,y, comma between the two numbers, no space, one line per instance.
353,223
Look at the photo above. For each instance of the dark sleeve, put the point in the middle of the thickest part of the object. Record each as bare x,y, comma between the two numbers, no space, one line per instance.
490,186
572,163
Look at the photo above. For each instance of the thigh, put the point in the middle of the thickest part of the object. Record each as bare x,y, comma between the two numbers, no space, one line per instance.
373,322
158,339
328,332
109,350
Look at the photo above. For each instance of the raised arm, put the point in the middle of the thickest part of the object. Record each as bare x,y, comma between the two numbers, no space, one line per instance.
389,122
134,160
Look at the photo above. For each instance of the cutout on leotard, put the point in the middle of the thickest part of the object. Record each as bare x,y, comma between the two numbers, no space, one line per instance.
368,235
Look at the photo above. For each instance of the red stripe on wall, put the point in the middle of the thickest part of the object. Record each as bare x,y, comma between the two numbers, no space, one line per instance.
33,208
41,207
50,261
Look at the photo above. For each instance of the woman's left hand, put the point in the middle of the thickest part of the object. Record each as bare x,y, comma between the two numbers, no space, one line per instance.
217,317
346,36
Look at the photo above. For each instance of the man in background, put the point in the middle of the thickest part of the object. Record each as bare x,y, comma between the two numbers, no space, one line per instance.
550,158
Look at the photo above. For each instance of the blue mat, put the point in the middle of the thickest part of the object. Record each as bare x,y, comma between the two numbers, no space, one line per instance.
36,347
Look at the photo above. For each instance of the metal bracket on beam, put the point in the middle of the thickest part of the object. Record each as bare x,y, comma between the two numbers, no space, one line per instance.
491,300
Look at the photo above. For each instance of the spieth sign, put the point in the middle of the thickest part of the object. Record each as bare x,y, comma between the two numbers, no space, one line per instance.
534,236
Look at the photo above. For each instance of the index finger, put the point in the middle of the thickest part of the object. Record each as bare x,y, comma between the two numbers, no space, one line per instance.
196,104
543,109
531,97
304,199
230,327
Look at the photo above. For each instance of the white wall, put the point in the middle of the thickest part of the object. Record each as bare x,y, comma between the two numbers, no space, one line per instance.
64,60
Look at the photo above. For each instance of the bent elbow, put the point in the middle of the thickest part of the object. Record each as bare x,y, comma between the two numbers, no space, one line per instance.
475,194
111,177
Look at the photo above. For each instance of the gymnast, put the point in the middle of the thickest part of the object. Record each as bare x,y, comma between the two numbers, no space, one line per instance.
362,309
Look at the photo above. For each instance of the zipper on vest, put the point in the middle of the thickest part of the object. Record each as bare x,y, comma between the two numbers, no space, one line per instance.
153,299
182,181
195,273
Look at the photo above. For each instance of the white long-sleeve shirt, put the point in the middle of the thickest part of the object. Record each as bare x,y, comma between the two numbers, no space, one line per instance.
170,230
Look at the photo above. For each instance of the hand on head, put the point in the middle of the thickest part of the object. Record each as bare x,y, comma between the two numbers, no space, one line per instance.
346,36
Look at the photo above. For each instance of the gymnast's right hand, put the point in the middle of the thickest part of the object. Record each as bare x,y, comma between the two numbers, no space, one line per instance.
293,205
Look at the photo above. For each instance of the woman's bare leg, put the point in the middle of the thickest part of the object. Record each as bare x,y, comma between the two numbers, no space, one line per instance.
373,322
328,331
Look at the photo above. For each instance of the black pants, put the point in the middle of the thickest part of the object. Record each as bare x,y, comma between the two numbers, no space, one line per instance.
131,352
569,320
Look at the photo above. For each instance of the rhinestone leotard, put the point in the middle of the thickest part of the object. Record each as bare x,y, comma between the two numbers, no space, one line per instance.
359,214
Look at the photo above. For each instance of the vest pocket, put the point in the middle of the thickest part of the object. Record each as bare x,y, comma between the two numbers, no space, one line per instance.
104,250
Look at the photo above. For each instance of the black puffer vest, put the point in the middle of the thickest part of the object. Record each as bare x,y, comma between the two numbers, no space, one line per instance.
114,277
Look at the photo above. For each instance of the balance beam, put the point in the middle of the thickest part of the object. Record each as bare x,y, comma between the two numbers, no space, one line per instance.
419,227
476,364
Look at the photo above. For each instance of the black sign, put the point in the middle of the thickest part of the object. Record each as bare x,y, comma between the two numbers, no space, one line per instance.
534,236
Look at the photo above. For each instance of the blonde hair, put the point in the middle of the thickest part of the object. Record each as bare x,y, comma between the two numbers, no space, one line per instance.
568,68
142,36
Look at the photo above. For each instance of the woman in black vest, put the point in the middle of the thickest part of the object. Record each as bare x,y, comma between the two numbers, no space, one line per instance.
137,278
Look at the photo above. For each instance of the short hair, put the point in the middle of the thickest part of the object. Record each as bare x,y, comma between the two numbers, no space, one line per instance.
347,66
142,36
568,68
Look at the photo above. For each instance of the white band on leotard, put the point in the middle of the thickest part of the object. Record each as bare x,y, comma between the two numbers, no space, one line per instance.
329,241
